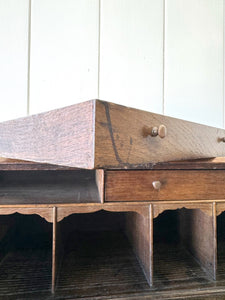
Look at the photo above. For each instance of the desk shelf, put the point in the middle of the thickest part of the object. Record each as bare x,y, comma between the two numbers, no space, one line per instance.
48,187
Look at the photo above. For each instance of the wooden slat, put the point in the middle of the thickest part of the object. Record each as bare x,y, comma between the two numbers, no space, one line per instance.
100,182
63,73
54,247
139,231
14,28
193,77
175,185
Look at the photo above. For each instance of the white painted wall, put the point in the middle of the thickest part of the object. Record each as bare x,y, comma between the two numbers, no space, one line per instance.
164,56
13,58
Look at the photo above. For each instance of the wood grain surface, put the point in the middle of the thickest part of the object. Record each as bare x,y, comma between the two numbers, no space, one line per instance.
50,187
139,232
121,140
62,137
99,134
175,185
197,234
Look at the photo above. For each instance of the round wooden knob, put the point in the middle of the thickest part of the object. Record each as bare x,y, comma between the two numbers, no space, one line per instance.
157,185
161,131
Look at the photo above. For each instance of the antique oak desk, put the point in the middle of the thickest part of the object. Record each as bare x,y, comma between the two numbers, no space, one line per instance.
100,201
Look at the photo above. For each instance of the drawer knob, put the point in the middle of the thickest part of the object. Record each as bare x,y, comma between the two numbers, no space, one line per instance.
161,131
156,185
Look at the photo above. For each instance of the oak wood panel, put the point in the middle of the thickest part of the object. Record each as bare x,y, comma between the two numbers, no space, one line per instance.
139,231
121,139
98,134
197,234
62,137
175,185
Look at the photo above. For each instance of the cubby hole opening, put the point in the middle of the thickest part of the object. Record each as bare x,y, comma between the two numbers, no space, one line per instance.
49,187
97,258
221,247
26,256
175,265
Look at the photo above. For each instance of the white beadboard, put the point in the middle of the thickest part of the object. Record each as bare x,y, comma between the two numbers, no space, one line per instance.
131,53
64,53
194,60
14,16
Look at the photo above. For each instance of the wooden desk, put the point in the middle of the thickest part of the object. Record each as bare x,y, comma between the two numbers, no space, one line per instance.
96,211
179,243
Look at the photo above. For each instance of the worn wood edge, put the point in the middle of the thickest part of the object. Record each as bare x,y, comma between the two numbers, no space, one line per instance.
220,208
151,249
160,208
100,181
108,204
43,212
214,216
54,241
7,164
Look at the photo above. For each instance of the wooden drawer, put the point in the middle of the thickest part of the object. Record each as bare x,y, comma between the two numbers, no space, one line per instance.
175,185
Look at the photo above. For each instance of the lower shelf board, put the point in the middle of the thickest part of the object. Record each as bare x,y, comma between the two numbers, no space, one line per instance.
99,263
25,274
175,267
102,265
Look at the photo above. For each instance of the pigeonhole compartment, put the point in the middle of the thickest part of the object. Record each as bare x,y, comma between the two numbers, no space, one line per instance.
50,187
221,248
184,254
97,258
26,256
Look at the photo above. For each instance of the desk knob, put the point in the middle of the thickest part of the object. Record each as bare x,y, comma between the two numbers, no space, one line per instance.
156,185
161,131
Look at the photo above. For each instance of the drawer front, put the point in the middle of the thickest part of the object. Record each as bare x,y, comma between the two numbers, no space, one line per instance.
164,185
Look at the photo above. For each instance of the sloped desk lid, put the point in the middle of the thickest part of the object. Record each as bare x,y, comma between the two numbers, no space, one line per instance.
99,134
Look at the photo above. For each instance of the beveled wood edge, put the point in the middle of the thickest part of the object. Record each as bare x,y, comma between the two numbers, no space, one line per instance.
100,182
214,163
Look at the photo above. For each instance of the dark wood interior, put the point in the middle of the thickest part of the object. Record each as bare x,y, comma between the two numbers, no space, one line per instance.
96,259
176,261
40,187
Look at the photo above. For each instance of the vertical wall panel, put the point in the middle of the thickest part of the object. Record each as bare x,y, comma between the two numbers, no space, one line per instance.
194,60
64,53
13,58
131,53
